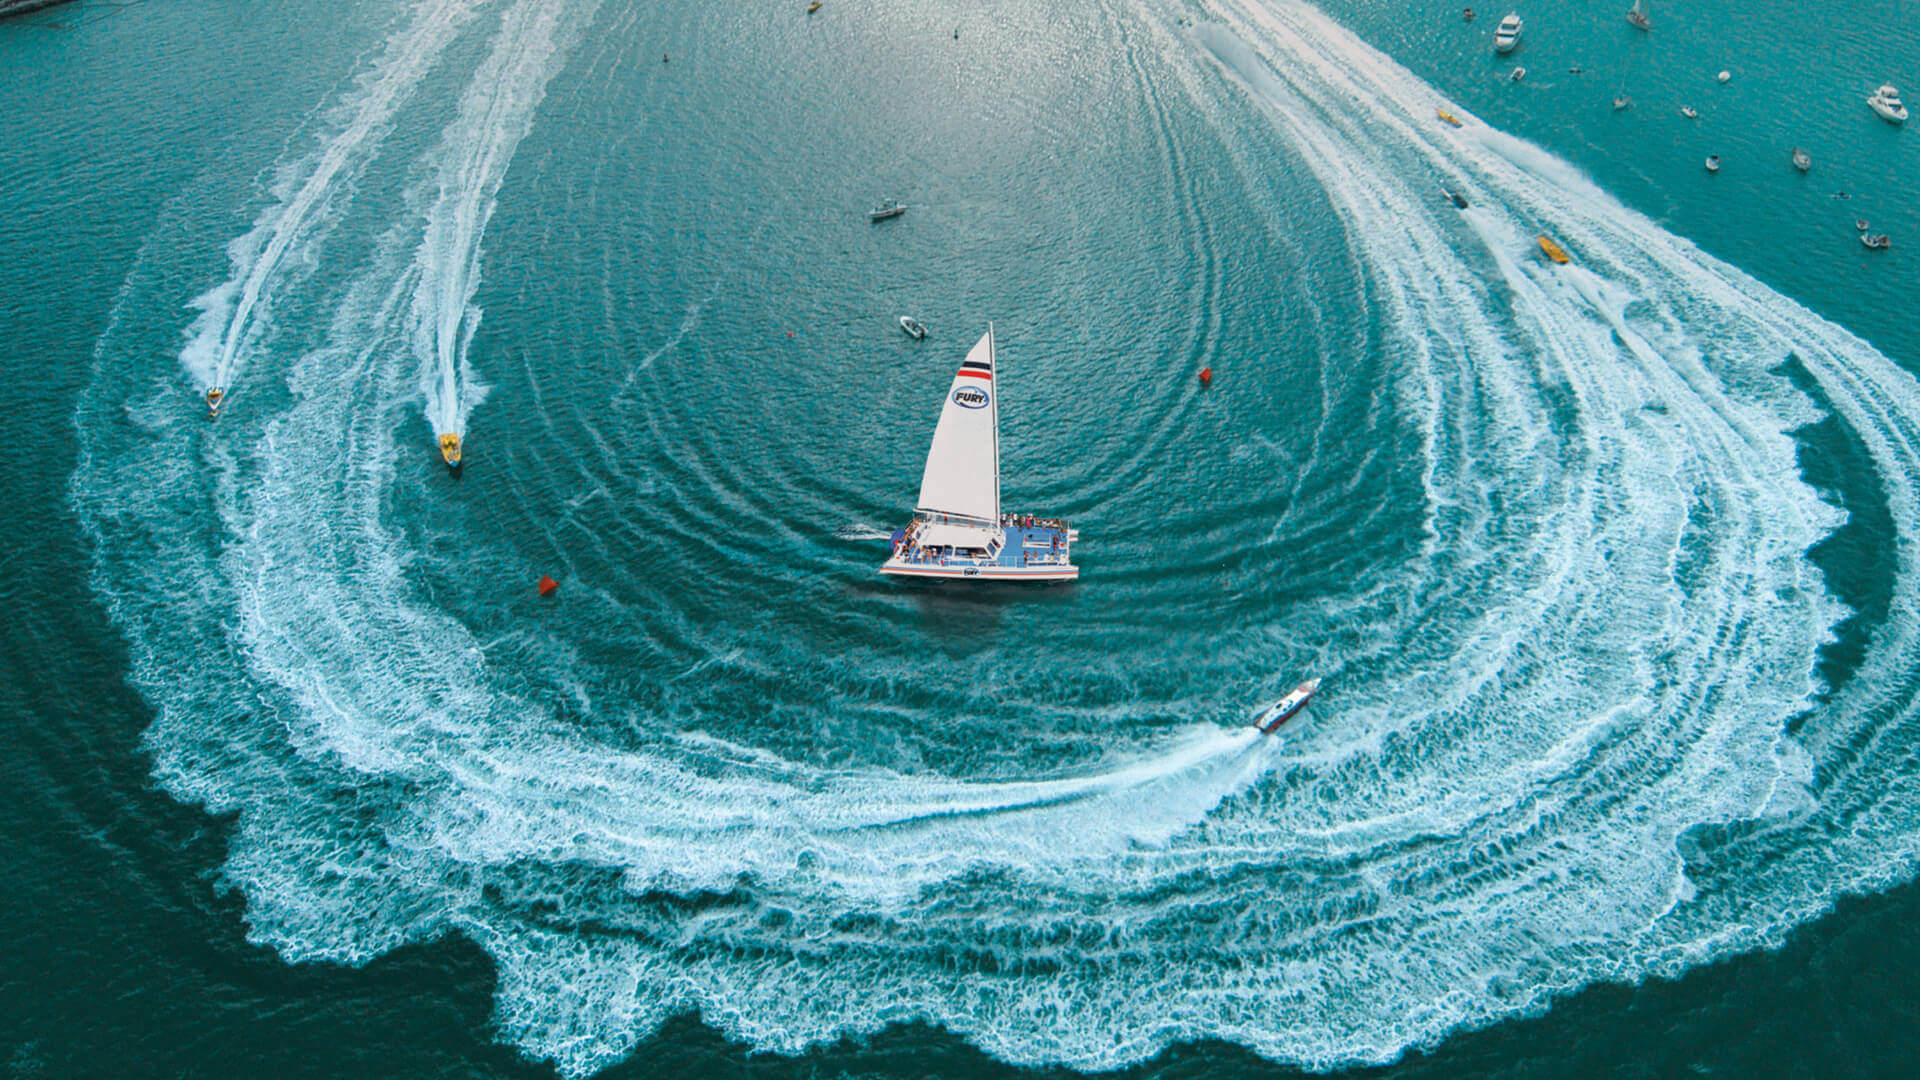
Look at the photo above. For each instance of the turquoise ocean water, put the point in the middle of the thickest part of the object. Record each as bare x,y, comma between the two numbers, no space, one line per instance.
1610,567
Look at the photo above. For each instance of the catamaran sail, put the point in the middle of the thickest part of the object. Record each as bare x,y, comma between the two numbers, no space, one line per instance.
963,467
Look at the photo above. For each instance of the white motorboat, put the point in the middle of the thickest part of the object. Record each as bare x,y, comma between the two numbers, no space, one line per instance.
1286,708
1689,112
1802,160
887,209
959,529
1713,162
1506,37
1637,15
1886,102
1724,76
1876,243
914,328
1518,74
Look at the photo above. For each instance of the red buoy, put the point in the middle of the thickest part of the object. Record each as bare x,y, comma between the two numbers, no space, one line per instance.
1206,376
547,585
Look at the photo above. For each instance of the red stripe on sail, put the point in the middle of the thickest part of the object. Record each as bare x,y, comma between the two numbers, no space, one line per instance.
987,375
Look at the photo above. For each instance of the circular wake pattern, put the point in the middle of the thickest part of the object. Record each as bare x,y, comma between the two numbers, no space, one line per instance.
1543,527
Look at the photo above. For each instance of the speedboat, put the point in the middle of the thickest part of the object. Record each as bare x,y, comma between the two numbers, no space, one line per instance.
1281,711
1637,15
1621,101
913,327
450,451
1506,37
1458,199
214,397
1802,160
1554,251
1713,162
1860,224
1876,243
1886,102
887,209
1689,112
813,7
1447,117
1518,74
1724,76
959,529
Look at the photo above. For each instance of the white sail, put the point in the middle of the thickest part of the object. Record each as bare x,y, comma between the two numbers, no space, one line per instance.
963,466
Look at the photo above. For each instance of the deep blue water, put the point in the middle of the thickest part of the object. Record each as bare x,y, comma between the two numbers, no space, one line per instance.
1609,566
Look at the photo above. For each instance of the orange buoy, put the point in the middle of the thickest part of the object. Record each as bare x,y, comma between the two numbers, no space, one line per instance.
1206,376
547,585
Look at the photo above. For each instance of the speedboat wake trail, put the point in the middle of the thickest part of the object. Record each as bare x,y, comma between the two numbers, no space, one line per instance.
1584,730
496,112
1613,492
309,195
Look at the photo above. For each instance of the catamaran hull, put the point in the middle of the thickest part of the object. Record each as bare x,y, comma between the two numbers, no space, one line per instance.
984,573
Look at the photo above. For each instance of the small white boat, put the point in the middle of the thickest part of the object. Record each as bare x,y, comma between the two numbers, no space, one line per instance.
1506,37
913,327
1286,708
1886,102
1518,74
1621,101
1802,160
959,529
1689,112
1860,225
1637,15
887,209
1876,243
1713,162
1724,76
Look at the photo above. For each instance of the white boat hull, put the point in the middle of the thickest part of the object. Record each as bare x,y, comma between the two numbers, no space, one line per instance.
899,568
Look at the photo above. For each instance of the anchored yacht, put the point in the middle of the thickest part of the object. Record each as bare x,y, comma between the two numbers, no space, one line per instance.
1507,36
1886,102
887,209
959,529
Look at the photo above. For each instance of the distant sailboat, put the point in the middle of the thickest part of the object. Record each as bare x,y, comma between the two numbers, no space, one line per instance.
958,529
1637,15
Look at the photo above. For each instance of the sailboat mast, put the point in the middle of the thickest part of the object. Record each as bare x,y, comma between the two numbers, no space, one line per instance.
993,357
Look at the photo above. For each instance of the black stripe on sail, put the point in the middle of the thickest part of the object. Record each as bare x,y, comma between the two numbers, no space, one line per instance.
976,365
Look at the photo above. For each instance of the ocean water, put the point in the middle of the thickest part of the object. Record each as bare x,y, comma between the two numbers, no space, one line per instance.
1610,567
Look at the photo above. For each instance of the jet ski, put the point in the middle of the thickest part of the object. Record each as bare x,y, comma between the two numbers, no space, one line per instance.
1281,711
1459,200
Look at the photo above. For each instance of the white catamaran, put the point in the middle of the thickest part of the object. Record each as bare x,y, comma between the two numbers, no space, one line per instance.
958,529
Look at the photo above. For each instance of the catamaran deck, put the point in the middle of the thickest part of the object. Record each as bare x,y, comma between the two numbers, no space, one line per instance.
1033,550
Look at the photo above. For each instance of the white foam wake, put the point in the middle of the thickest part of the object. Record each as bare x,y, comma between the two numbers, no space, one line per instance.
1562,750
309,194
496,112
